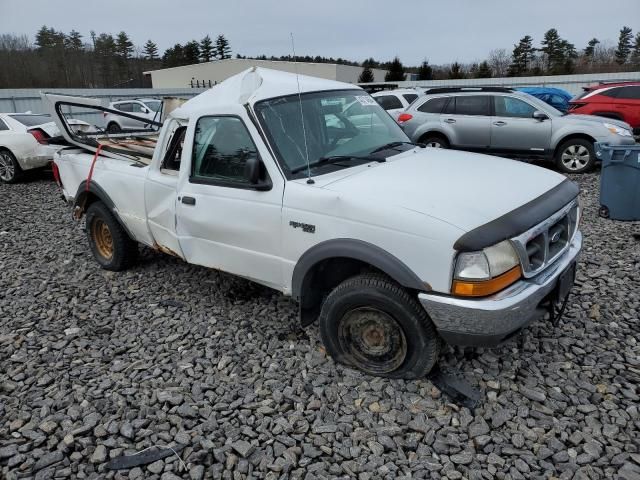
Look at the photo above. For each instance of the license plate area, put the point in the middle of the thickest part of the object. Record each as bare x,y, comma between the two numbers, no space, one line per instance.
565,282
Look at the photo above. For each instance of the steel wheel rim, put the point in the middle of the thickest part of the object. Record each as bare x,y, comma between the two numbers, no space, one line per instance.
7,170
575,157
373,340
102,238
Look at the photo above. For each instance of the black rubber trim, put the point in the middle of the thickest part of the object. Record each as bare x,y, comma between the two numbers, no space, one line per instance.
98,191
356,250
519,220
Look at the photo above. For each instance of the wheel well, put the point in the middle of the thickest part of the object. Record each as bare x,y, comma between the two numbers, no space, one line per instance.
581,136
434,134
322,278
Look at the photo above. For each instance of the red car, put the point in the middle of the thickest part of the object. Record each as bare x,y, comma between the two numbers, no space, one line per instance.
612,100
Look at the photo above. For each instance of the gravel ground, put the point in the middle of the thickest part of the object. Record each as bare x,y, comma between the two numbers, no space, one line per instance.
95,364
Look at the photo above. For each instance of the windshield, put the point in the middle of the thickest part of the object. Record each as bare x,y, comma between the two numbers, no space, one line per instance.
153,105
31,120
336,124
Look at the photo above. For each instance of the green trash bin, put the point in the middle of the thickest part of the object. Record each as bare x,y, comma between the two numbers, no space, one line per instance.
619,181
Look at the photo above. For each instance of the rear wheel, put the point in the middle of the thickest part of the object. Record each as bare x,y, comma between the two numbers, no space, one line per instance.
113,128
434,141
371,323
576,156
109,242
10,170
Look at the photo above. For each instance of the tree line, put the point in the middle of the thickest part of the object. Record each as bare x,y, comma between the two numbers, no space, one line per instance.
57,59
554,56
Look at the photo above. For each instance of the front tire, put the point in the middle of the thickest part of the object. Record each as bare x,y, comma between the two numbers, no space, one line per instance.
435,141
372,324
109,242
575,156
10,171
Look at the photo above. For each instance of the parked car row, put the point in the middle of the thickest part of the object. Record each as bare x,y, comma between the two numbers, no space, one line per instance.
508,122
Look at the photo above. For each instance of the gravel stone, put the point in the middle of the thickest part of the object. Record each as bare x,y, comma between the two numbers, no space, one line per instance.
98,364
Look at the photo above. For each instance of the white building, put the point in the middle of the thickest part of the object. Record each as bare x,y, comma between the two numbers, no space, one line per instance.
210,73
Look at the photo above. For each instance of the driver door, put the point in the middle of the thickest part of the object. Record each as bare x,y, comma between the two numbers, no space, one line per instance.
223,221
513,127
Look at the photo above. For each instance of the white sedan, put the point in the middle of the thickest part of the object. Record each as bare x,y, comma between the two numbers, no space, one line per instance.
24,143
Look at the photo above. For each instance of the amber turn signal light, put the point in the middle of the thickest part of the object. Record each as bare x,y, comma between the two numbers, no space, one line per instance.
486,287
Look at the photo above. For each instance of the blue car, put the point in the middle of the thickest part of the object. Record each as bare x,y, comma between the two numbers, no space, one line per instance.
556,97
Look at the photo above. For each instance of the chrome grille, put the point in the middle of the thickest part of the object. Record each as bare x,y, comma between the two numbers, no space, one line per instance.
543,244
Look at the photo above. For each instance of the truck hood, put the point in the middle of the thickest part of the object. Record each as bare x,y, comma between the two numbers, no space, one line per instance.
463,189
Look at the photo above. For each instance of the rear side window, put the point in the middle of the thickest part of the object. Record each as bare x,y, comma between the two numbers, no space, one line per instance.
435,105
31,120
471,105
629,93
3,126
389,102
410,97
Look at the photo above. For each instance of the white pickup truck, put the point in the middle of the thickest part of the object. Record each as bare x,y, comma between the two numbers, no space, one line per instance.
393,247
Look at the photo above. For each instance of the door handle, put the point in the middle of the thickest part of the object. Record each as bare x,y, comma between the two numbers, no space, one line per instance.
188,200
450,120
500,123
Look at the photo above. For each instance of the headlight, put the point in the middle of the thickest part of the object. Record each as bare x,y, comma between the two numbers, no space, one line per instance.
482,273
623,132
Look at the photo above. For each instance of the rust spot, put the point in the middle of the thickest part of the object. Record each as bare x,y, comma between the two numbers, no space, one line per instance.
167,250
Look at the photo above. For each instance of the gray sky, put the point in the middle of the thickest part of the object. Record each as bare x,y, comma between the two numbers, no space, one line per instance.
442,31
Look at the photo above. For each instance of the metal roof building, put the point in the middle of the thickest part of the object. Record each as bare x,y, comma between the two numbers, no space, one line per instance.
210,73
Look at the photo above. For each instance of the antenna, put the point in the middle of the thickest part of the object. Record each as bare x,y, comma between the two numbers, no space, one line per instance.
304,129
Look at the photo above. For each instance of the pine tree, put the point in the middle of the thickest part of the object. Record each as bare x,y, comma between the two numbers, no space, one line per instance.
174,56
484,70
206,49
192,52
396,71
425,72
455,71
366,76
624,45
124,46
73,41
150,50
635,53
223,50
590,49
523,55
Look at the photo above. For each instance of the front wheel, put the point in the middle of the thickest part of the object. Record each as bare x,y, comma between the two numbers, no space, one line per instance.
109,242
576,156
434,141
10,171
372,324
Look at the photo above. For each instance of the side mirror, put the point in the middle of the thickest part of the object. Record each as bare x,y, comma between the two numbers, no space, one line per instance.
540,116
145,110
252,170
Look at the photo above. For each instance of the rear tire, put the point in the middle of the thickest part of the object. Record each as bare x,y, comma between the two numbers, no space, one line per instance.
10,171
109,242
114,128
575,155
434,141
372,324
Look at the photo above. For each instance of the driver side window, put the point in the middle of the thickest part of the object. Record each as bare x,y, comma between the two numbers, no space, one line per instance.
222,146
513,107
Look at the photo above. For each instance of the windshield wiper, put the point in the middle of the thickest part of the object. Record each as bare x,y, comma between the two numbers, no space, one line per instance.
337,158
389,145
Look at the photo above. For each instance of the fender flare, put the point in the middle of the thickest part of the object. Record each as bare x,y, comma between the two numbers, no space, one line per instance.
79,202
355,250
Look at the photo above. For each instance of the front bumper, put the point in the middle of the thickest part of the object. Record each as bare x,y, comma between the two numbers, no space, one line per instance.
488,321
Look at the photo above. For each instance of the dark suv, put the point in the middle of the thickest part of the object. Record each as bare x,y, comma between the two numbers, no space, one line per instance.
620,101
